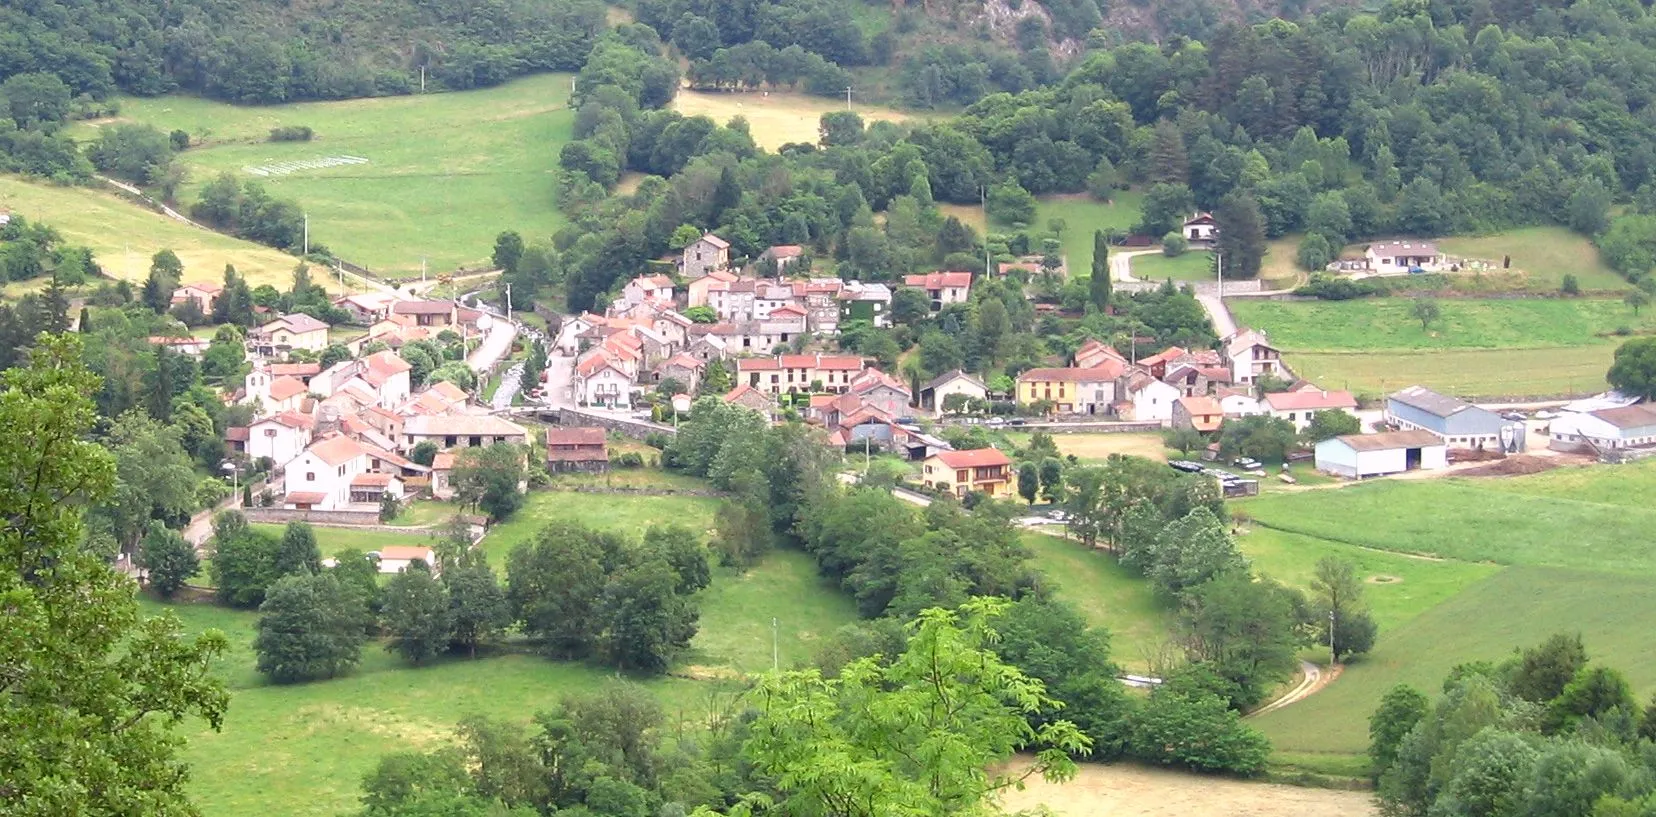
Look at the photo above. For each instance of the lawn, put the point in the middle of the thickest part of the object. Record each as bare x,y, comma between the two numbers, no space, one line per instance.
775,118
1515,607
1544,254
1631,485
1477,348
652,478
1098,447
1082,215
444,173
1188,266
738,608
425,512
628,514
1107,595
333,540
124,236
1466,520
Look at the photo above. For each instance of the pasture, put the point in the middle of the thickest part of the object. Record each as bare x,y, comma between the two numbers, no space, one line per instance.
1189,266
775,118
440,176
1476,348
629,515
1108,596
333,540
1082,214
124,236
1098,447
1544,255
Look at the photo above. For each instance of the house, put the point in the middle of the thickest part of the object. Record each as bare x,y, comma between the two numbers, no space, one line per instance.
1200,229
1356,456
1196,380
1145,399
704,255
1402,256
1237,402
863,302
463,430
435,315
184,344
882,391
986,470
320,478
783,255
394,559
382,377
235,439
749,397
683,368
281,436
646,288
943,288
1605,429
284,394
1459,423
442,475
1250,355
600,381
1297,407
289,333
1094,353
1072,390
1201,413
203,294
699,289
303,371
576,450
793,374
934,396
367,308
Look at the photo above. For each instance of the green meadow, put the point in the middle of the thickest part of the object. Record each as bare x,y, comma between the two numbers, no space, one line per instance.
444,173
1187,266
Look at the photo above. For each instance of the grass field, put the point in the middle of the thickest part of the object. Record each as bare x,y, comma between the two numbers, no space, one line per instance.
738,608
333,540
1513,560
774,118
124,236
1107,595
630,515
1098,447
1477,348
445,172
1082,214
1544,254
1189,266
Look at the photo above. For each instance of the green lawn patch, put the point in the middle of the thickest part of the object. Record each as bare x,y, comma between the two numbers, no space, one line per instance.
737,610
1465,520
1516,607
1371,324
1468,373
1631,485
1188,266
426,512
333,540
444,173
1108,595
628,514
1544,254
1082,214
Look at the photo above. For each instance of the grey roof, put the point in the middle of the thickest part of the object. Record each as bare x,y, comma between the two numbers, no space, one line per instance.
1390,439
952,375
1431,402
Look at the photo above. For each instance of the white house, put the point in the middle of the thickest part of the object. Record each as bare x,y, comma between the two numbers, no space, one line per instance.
1356,456
1250,354
1237,402
1201,229
1298,407
600,382
395,559
935,395
463,430
281,436
1402,256
657,288
943,288
320,477
1149,399
290,333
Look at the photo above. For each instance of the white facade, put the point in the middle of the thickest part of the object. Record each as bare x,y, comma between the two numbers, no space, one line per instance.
310,474
277,440
1154,402
1356,460
1237,405
606,387
968,386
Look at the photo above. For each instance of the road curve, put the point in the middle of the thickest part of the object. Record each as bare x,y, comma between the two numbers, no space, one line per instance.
1309,684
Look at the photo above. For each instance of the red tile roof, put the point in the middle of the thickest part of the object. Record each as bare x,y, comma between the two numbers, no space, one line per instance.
1200,406
422,307
236,434
975,458
409,552
939,280
371,480
1165,355
304,498
1110,369
386,363
336,450
295,369
1310,400
575,436
444,461
284,387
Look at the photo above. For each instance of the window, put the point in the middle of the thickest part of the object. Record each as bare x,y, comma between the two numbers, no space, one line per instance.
310,476
270,432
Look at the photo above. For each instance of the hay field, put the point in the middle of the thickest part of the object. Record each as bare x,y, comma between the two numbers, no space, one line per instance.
775,118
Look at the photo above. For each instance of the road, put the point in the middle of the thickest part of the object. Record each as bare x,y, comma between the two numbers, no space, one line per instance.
1311,682
558,391
1223,324
1121,264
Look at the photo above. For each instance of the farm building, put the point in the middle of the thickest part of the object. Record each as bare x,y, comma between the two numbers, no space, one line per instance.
1459,423
397,558
1604,430
576,449
1356,456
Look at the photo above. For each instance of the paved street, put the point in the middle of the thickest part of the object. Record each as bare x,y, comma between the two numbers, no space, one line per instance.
560,378
496,344
510,382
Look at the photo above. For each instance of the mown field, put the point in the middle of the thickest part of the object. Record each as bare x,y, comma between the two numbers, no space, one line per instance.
444,174
123,236
1477,568
1544,255
775,118
302,749
1189,266
1477,348
1107,595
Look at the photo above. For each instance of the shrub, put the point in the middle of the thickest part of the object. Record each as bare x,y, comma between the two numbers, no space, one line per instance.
1332,288
291,133
1174,245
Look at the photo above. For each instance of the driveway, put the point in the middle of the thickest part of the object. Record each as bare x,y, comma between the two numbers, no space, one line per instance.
495,345
1121,264
1223,324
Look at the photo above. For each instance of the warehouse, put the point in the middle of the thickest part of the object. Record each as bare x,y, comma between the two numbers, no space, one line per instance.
1356,456
1457,422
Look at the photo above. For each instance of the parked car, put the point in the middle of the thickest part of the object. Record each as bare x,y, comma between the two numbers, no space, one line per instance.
1246,463
1186,466
994,422
1514,416
1017,421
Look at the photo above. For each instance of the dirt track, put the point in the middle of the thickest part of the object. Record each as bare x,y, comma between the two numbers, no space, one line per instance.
1136,791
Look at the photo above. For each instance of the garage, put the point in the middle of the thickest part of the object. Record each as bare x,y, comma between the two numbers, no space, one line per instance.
1356,456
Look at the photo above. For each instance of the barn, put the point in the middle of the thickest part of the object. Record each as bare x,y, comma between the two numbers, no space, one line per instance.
1356,456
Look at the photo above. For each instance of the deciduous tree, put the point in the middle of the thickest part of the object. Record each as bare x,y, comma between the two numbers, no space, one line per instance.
309,628
168,560
416,614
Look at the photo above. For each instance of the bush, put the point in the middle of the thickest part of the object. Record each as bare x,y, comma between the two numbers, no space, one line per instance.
1333,288
1197,732
630,459
291,133
1570,286
1174,245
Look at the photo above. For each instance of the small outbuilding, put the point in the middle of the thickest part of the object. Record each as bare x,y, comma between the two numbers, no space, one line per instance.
1356,456
397,558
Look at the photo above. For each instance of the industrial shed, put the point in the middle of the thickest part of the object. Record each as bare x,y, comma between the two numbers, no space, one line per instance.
1356,456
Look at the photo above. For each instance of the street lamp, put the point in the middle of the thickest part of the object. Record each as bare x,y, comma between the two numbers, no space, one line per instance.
231,467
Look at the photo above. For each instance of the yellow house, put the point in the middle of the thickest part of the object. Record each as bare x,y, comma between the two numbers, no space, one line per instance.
289,333
986,470
1073,390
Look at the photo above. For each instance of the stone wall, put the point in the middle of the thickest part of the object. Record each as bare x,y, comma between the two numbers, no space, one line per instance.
636,429
362,519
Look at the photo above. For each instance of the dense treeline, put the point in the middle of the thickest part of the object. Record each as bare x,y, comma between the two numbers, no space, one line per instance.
261,53
1544,732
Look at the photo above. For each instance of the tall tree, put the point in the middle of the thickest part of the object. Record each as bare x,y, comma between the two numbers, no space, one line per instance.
477,607
1633,371
168,559
93,689
1099,285
508,251
298,552
417,614
1169,162
488,477
1338,595
1241,245
310,627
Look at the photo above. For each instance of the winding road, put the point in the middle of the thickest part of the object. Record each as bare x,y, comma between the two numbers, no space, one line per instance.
1310,682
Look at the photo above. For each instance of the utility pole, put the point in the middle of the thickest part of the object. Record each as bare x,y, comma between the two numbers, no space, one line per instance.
508,300
307,234
983,202
1332,657
848,97
1219,273
422,269
422,79
776,654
